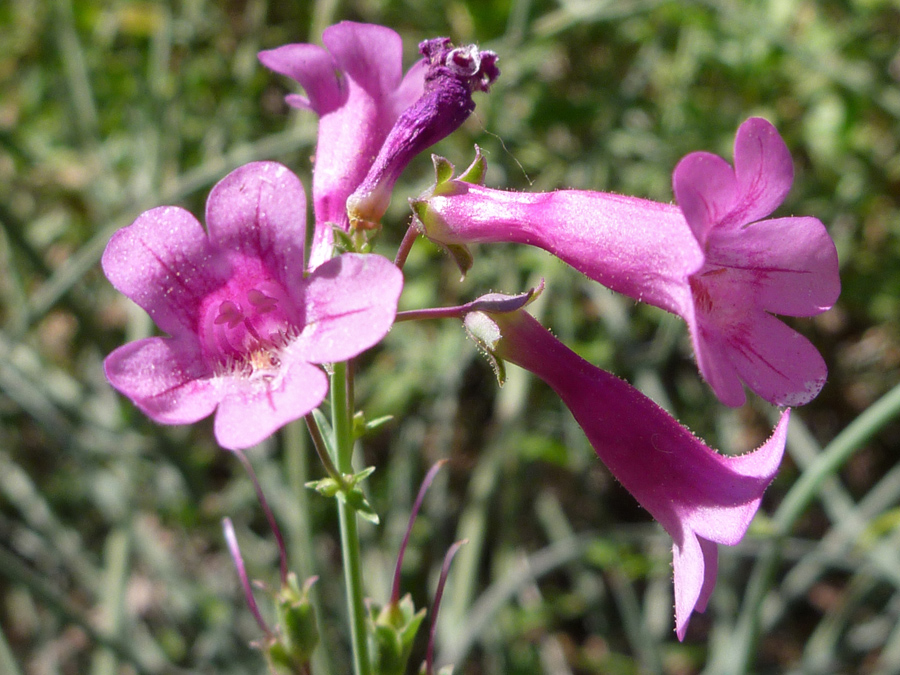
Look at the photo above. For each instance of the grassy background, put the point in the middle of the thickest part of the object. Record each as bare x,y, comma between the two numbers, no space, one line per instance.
111,553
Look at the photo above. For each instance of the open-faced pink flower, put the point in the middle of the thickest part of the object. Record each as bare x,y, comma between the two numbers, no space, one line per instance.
247,327
701,498
714,259
356,86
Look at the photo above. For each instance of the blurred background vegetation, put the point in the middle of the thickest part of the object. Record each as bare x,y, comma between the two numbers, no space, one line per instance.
111,553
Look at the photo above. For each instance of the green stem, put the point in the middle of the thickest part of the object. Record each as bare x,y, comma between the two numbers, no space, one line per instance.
342,420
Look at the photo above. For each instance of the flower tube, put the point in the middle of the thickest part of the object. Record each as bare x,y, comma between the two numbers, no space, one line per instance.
701,498
247,327
715,260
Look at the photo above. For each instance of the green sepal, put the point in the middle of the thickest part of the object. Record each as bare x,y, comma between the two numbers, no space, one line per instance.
355,241
290,649
486,333
476,171
462,256
443,169
355,498
297,617
348,491
362,427
393,630
327,487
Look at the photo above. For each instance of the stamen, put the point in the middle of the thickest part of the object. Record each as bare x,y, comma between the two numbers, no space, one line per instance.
229,313
260,301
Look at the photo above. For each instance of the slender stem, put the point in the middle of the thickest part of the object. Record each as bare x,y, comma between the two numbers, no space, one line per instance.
300,529
270,517
341,420
426,483
494,302
406,246
436,605
322,449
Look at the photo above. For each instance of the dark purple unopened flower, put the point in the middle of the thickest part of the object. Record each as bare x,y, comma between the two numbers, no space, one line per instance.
715,261
356,86
453,73
700,497
247,327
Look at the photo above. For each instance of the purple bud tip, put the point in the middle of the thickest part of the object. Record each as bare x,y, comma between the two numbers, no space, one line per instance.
452,74
478,69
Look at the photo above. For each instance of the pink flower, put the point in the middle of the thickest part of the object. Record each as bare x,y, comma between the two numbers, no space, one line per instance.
356,86
715,261
700,498
247,327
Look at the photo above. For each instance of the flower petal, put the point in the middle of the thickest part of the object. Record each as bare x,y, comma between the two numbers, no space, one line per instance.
259,210
689,564
777,362
351,305
313,67
710,570
167,378
410,88
369,54
253,409
696,563
164,262
789,264
706,189
711,349
764,170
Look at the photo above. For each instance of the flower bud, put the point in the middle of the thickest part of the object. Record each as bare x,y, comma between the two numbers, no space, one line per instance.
453,73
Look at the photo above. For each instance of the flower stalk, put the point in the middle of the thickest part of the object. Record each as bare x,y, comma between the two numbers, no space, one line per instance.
342,424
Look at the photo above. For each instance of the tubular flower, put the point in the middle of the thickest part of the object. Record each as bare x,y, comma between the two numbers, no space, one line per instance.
701,498
356,86
714,259
247,328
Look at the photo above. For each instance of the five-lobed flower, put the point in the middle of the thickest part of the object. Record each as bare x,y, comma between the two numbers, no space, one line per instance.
248,328
713,260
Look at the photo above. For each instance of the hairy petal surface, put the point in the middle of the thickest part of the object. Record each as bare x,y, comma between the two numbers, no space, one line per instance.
259,211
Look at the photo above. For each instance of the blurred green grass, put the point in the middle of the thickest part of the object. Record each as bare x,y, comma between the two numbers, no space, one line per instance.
111,553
